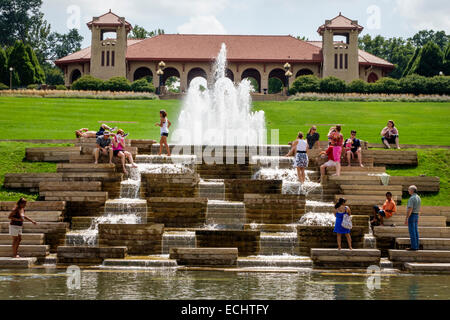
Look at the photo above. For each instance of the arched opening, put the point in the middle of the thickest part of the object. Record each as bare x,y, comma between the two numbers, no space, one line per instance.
173,84
229,74
169,72
255,78
194,73
277,80
143,72
76,74
372,77
303,72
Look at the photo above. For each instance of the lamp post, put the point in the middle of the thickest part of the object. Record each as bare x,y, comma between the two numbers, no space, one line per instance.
11,69
288,74
160,72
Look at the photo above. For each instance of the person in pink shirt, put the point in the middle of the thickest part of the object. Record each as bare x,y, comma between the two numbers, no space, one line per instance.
118,143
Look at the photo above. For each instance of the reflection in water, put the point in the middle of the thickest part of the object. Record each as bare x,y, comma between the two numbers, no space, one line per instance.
164,284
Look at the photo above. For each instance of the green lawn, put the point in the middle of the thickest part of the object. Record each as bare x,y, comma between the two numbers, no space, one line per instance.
54,118
432,162
12,156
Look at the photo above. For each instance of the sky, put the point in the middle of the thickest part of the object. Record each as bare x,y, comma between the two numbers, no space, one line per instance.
389,18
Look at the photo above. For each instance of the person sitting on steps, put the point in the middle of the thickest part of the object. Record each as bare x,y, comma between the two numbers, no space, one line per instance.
388,209
389,135
103,147
118,146
353,148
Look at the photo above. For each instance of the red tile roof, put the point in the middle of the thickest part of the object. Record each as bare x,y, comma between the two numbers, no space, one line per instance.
109,19
364,57
189,47
339,22
244,48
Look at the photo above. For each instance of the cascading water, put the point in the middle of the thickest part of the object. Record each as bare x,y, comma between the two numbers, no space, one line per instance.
220,114
291,185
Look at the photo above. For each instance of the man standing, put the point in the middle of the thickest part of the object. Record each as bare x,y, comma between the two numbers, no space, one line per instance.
412,217
353,148
103,147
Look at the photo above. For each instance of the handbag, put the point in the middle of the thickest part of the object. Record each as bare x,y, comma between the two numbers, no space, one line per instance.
347,222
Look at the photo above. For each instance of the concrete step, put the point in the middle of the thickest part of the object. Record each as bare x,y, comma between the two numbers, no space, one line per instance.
75,195
424,221
27,239
85,167
402,232
429,256
205,256
25,250
39,216
417,267
425,243
43,227
345,258
140,263
16,263
275,261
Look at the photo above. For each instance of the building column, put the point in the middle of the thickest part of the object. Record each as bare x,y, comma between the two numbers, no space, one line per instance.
183,82
264,83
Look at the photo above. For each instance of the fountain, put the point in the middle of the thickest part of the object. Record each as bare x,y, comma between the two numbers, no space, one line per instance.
219,114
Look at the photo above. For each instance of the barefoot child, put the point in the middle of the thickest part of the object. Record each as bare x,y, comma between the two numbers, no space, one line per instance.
164,124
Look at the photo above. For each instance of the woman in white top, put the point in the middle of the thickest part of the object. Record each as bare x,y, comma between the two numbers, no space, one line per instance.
164,124
301,158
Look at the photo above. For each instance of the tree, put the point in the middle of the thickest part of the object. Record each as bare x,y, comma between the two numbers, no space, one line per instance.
4,72
140,33
17,18
446,62
39,75
61,45
429,61
53,75
275,85
422,37
23,68
411,62
37,37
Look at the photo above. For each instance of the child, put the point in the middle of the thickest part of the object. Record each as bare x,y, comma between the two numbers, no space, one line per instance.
118,144
164,124
348,145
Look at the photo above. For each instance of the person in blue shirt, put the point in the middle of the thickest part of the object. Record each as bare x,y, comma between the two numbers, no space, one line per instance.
412,217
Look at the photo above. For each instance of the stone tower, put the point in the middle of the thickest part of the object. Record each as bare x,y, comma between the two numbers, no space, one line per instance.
340,58
108,54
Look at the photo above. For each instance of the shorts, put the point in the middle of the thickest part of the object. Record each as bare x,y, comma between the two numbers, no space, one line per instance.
330,163
391,139
15,230
301,160
116,152
165,134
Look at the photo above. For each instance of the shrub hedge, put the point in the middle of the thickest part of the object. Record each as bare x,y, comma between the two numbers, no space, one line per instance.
3,86
413,84
88,82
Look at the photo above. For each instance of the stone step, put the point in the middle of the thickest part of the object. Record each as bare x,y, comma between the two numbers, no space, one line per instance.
345,258
85,167
431,256
16,263
417,267
35,205
97,196
140,263
89,255
402,232
429,211
365,199
42,227
275,261
424,221
27,239
204,256
39,216
25,250
70,186
425,243
225,204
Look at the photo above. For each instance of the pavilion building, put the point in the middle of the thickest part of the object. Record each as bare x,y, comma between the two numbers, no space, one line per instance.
187,56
